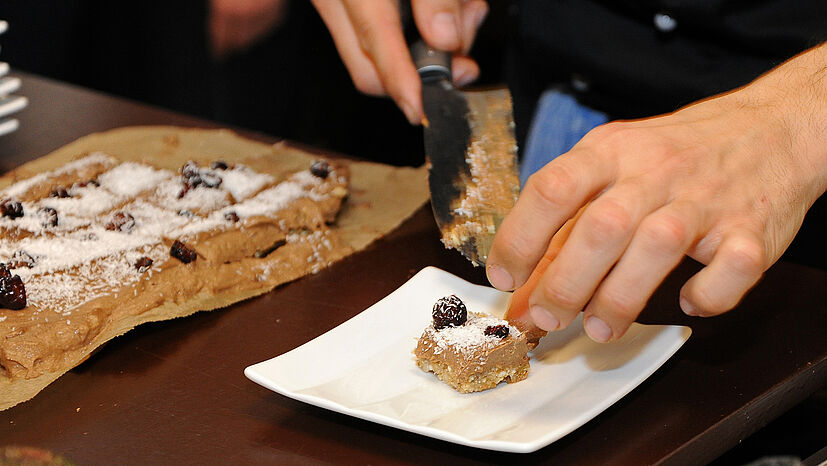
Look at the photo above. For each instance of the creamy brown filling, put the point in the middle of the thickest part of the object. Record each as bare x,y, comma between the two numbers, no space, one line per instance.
86,277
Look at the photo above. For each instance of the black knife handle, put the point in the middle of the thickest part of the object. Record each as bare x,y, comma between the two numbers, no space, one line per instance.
431,63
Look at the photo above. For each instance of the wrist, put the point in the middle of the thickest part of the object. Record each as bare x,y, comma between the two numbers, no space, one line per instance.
794,96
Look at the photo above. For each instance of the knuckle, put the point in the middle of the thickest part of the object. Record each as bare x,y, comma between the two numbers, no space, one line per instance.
561,296
666,233
620,304
746,257
607,220
553,186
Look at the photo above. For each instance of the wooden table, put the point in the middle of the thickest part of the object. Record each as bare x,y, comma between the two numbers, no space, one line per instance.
174,392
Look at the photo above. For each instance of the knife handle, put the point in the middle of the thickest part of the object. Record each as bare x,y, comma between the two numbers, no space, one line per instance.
431,63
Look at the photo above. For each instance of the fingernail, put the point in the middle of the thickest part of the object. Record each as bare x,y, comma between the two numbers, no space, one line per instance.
597,330
445,30
687,307
464,78
408,110
543,318
500,278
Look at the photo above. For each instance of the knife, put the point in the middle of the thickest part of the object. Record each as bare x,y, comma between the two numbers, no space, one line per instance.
471,151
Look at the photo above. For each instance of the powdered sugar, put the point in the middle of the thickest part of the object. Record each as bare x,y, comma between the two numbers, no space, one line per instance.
470,335
130,178
242,182
21,187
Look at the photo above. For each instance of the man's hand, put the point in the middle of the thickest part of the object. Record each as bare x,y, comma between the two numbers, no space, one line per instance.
369,38
726,181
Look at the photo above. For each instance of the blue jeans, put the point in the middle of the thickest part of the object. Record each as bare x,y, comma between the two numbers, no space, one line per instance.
559,122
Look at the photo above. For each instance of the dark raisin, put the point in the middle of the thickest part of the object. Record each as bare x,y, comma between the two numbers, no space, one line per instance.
182,252
121,221
12,293
210,179
219,165
143,264
48,216
231,216
186,213
499,331
83,184
449,311
60,192
21,259
189,170
320,168
4,271
11,208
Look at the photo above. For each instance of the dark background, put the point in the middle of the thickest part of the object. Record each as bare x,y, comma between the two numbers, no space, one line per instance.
291,85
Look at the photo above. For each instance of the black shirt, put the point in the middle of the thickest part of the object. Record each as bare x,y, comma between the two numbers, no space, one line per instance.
639,58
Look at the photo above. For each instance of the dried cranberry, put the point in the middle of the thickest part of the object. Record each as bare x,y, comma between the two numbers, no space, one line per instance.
499,331
60,192
12,293
189,170
183,192
182,252
21,258
143,264
231,216
320,168
4,271
48,216
84,184
219,165
121,221
11,208
449,311
210,179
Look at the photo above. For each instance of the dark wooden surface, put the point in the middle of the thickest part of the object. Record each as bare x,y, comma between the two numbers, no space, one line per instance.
174,392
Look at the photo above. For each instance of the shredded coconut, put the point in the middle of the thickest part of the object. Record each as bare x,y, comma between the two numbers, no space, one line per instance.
470,335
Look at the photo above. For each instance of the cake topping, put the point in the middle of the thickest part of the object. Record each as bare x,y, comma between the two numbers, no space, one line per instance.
182,252
219,165
60,192
121,221
499,331
320,168
48,216
12,291
143,264
20,259
449,311
11,208
231,216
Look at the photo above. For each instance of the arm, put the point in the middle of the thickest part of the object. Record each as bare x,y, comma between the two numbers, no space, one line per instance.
726,181
369,38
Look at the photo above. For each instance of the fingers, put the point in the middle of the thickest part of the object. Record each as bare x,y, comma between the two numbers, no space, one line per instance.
597,242
439,22
550,197
658,246
464,70
473,15
368,36
737,265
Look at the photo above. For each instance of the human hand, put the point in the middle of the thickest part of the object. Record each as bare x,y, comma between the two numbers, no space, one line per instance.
370,40
235,25
726,181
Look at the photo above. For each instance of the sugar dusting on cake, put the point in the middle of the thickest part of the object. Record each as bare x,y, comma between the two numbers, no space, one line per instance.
91,260
470,335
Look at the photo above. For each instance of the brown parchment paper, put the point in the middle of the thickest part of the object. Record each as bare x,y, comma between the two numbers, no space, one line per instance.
381,197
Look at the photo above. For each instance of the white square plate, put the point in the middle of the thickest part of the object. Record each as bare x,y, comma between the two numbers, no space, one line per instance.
365,368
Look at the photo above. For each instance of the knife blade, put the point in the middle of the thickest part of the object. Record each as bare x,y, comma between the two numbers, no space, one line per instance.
471,151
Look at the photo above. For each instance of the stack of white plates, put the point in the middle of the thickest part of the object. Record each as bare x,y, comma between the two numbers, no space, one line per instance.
9,104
